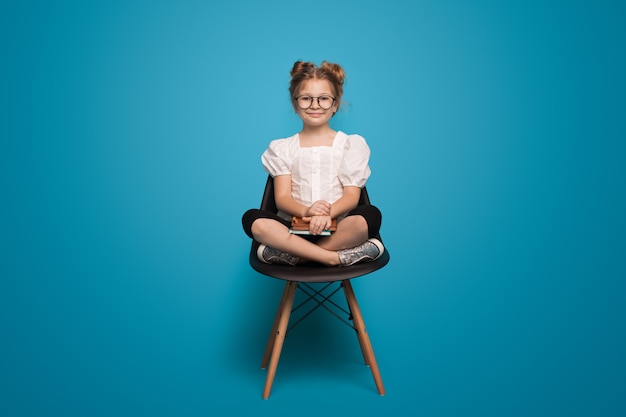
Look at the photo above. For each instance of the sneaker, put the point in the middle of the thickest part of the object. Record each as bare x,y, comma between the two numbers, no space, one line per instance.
275,256
368,251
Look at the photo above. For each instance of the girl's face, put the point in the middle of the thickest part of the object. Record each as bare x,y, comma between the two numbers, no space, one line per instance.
315,102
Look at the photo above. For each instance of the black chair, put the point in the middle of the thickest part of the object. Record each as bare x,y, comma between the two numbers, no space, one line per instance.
304,277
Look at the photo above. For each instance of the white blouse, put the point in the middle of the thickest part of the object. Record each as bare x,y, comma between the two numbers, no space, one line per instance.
319,172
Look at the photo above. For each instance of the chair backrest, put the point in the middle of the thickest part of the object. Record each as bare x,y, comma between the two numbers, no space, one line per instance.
268,202
311,272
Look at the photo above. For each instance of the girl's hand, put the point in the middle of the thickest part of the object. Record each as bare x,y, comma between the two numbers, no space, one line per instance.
317,224
319,208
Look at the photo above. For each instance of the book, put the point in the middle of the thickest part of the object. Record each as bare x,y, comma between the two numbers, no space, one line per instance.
300,227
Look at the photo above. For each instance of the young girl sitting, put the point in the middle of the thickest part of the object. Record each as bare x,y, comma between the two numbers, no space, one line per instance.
318,174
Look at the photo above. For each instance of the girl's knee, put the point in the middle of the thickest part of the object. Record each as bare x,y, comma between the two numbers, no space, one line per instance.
355,222
263,227
258,226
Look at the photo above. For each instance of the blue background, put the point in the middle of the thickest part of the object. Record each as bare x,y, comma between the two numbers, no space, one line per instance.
131,136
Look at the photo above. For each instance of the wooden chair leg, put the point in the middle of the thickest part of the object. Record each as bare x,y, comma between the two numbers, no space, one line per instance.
272,336
359,338
285,312
364,340
363,350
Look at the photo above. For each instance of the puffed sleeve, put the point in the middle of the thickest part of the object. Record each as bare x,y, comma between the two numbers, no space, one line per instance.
276,158
354,169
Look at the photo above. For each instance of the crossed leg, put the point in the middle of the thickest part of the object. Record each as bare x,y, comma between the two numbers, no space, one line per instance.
351,231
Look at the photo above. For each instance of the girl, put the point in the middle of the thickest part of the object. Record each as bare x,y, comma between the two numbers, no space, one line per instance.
318,174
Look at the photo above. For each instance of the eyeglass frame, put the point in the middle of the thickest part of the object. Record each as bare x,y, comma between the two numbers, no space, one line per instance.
313,99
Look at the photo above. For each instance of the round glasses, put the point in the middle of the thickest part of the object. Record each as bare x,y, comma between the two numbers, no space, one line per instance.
324,102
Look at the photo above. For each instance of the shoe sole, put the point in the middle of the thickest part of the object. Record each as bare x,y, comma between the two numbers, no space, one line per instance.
379,245
259,253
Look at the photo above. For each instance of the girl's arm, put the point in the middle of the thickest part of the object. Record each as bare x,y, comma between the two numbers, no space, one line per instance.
347,202
285,203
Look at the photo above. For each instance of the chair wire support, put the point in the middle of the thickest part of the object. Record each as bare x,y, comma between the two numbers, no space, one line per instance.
318,296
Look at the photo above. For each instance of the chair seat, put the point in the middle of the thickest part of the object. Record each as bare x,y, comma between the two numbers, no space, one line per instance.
314,272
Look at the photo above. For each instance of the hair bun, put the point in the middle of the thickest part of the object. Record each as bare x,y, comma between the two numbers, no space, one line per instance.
334,69
301,66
